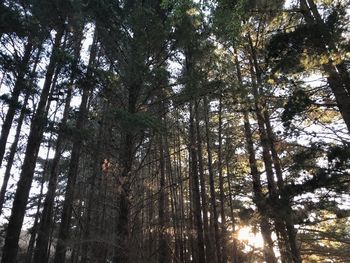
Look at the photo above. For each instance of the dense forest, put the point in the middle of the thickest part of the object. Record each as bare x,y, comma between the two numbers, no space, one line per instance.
209,131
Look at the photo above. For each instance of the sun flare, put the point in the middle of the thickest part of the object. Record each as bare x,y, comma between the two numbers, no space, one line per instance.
251,239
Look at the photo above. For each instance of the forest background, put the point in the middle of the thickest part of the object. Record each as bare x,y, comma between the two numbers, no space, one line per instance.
175,131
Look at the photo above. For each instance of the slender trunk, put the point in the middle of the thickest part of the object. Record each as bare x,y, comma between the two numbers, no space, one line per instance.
13,151
63,233
19,86
221,187
41,249
37,214
93,185
273,194
212,184
210,254
27,173
163,251
195,188
41,253
292,250
122,251
14,145
258,196
235,258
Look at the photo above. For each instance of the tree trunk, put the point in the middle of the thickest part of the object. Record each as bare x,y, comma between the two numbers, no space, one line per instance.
27,173
221,187
258,197
195,188
63,233
210,254
14,145
19,86
13,151
41,249
163,250
212,184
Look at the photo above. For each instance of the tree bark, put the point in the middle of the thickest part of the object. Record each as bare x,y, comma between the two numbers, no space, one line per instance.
18,88
212,184
221,187
27,173
63,233
210,254
195,188
258,197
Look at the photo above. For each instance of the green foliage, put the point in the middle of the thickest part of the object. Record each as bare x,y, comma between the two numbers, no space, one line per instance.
138,121
339,156
297,104
227,19
11,21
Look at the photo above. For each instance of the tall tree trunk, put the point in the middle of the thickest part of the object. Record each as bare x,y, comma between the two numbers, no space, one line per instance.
28,167
19,86
63,233
212,183
13,148
41,250
267,158
210,254
163,250
13,151
221,187
95,192
41,253
258,196
122,251
287,214
195,188
34,229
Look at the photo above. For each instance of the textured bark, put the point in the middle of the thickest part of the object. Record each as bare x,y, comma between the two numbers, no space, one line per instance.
27,173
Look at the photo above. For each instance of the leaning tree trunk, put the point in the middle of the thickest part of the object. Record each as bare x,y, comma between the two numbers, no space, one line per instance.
26,177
